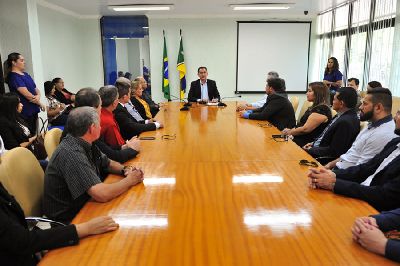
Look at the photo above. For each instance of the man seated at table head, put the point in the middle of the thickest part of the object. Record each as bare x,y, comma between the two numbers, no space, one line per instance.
154,108
73,174
263,100
128,125
277,110
340,134
203,89
376,108
376,181
90,97
375,233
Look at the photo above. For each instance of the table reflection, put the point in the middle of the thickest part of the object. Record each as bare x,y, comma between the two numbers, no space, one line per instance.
138,220
157,181
263,178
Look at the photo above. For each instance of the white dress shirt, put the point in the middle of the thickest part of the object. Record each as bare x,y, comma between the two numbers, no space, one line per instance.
204,91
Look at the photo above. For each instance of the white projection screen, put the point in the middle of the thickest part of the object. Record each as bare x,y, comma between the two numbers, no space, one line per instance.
279,46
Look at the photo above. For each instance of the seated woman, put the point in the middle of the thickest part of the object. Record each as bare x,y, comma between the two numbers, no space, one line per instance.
57,112
315,119
140,104
13,129
61,93
18,245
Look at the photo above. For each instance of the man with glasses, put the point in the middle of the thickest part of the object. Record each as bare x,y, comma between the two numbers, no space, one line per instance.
377,181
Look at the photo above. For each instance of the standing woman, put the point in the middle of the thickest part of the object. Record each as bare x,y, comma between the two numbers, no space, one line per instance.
332,76
21,83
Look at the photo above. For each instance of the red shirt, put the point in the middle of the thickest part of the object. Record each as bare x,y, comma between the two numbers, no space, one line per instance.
109,129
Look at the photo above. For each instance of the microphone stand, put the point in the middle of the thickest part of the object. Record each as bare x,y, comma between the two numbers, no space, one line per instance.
228,97
186,105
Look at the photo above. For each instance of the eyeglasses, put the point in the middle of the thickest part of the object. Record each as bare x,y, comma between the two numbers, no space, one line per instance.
168,137
264,124
308,163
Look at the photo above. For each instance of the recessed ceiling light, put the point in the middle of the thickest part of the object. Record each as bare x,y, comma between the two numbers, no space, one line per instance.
124,8
245,7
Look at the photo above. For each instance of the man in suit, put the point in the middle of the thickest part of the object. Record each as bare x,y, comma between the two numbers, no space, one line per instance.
278,110
340,134
128,125
203,89
376,181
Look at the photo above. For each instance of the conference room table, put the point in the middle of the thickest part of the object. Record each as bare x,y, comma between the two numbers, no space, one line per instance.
218,190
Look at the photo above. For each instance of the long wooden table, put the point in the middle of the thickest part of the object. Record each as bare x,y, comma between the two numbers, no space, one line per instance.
221,193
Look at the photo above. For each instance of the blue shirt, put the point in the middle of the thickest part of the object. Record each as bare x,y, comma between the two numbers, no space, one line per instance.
16,81
204,91
333,77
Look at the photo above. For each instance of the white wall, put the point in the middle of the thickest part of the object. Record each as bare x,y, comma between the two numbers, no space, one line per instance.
133,56
209,42
71,49
121,47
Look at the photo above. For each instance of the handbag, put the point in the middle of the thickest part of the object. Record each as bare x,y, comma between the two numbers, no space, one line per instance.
37,146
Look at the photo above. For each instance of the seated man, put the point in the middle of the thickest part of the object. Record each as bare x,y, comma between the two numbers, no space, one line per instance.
110,132
353,83
369,233
338,136
377,181
73,174
121,154
154,108
128,125
262,101
278,110
203,89
376,108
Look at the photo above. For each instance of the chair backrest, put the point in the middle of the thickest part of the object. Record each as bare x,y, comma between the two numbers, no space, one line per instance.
23,177
395,105
303,109
295,102
51,140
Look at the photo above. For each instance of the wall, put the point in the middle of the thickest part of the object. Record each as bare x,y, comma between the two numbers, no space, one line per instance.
121,46
71,49
133,56
207,42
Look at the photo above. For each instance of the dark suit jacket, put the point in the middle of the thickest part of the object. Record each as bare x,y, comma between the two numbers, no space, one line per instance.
384,192
195,90
128,125
17,243
277,110
154,108
114,153
11,134
140,108
339,137
388,221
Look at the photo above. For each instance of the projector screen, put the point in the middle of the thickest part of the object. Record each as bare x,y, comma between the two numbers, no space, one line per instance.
272,46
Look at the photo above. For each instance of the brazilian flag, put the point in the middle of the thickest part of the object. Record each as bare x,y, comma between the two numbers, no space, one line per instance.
181,67
165,84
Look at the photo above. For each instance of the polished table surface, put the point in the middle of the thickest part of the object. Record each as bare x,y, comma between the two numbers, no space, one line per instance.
222,193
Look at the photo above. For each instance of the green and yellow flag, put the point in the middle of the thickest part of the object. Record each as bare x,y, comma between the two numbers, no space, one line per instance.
165,83
181,67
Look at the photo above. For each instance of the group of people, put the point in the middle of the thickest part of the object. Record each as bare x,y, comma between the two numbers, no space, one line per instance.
362,165
101,129
100,132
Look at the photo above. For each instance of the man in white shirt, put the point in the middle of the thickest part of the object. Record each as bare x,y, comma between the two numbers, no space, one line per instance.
376,108
260,103
377,181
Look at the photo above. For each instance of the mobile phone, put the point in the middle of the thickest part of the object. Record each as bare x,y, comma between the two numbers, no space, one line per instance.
280,136
147,138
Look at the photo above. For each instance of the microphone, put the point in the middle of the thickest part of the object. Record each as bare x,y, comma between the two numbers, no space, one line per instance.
227,97
186,105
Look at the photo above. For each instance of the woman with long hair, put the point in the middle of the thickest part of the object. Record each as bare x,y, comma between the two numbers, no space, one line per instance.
332,76
315,119
57,112
13,129
21,83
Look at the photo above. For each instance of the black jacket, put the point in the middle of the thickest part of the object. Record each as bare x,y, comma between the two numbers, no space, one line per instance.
61,97
11,134
114,153
195,91
339,137
140,108
277,110
154,108
128,125
17,243
384,191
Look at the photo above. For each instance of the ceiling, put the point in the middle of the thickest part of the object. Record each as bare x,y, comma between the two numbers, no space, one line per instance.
186,8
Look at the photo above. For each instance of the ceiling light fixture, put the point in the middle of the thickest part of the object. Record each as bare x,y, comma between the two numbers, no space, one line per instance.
125,8
246,7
